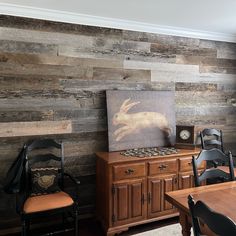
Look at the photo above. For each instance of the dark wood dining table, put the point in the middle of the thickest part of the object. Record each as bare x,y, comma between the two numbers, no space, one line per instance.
220,197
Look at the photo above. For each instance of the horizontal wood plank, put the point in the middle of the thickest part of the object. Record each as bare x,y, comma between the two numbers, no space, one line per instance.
13,129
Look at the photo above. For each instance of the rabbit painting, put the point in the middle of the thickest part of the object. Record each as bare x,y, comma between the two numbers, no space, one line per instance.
133,123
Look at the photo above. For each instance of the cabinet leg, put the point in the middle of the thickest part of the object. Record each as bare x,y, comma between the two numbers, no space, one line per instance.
112,233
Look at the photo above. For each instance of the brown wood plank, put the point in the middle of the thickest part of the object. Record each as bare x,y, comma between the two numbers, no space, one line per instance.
121,75
26,58
13,129
15,116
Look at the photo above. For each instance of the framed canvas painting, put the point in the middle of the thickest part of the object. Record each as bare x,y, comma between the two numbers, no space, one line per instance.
139,119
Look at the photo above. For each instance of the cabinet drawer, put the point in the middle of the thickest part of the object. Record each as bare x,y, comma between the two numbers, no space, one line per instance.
162,167
129,171
185,164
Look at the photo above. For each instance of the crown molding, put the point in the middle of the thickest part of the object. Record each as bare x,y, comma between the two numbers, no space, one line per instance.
69,17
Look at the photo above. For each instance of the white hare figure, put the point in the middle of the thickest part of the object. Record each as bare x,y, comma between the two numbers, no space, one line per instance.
135,122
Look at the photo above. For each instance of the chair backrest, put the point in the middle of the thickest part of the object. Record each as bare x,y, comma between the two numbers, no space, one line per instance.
212,173
212,138
218,223
44,154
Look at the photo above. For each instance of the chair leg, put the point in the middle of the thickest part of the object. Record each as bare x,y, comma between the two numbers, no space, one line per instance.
76,222
27,227
63,220
24,228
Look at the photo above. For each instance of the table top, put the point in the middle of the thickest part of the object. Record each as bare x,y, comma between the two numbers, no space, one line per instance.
220,197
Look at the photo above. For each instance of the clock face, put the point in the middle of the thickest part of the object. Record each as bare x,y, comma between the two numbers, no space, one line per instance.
184,134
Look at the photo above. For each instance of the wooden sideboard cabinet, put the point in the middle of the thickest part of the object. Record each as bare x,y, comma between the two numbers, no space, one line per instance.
130,190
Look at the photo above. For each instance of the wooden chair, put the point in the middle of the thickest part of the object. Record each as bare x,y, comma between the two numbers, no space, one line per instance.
31,205
213,173
216,222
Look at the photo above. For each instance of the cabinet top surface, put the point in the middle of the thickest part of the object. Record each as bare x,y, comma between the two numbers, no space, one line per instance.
116,157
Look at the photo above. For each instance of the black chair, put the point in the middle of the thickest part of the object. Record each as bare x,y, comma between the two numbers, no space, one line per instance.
212,138
216,222
43,193
214,173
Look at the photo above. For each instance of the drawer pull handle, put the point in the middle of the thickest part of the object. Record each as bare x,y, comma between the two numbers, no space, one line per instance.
129,171
189,163
162,167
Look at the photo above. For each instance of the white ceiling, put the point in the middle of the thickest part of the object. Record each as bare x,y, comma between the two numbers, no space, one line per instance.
199,18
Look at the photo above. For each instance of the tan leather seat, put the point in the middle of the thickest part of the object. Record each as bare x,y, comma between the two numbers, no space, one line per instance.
47,202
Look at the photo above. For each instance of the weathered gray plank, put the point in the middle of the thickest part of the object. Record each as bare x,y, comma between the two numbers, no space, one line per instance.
195,87
77,93
128,75
27,47
82,170
161,39
204,97
212,110
161,66
218,62
80,160
75,114
43,103
166,50
99,87
215,69
189,60
201,120
224,49
17,82
79,126
72,149
13,116
52,26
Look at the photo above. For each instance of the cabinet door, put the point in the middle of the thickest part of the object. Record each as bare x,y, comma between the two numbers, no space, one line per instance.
157,186
186,180
128,202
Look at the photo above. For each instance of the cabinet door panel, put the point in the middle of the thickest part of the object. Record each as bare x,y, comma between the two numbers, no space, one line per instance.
121,202
157,186
186,180
128,202
154,196
169,184
136,199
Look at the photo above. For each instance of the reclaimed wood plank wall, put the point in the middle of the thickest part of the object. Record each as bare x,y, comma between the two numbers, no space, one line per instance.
59,72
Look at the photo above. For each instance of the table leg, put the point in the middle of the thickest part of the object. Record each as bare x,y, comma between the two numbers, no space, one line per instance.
185,224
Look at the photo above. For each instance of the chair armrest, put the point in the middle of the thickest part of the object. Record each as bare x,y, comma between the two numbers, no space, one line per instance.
73,179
